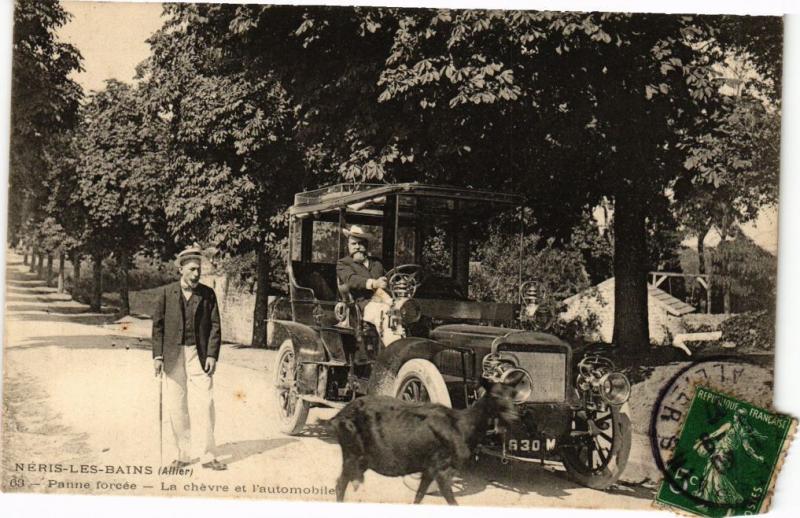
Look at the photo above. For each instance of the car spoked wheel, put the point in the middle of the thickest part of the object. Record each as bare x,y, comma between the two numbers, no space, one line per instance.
598,446
414,390
292,410
594,448
419,381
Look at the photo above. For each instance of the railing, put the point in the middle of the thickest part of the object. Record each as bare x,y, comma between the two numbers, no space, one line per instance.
703,279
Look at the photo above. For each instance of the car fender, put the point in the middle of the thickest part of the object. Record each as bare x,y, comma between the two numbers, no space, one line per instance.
389,361
308,347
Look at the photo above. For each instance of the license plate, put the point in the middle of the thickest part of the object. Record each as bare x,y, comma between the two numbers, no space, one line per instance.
518,446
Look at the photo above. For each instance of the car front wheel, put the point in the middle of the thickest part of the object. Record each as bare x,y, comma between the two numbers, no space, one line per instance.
596,453
420,381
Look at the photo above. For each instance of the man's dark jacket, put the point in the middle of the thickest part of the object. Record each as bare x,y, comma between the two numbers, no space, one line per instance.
355,276
168,323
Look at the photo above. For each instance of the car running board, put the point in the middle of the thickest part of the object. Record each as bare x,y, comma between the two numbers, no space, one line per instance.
322,401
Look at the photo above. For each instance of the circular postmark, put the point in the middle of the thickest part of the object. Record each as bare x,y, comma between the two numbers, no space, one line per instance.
737,376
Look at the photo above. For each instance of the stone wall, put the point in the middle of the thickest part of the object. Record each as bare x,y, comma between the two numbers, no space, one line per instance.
236,308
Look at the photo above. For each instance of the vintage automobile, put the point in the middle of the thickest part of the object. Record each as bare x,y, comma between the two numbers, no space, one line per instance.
572,410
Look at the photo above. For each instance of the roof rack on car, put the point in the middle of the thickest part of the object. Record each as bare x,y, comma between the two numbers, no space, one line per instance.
343,194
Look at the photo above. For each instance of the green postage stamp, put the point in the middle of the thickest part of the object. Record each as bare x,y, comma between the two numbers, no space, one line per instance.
727,457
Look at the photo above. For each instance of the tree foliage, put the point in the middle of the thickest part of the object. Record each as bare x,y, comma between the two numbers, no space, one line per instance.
745,273
566,108
119,178
120,170
234,164
240,106
605,99
44,103
557,273
736,163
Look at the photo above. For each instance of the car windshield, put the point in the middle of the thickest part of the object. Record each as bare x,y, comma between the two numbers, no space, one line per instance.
434,232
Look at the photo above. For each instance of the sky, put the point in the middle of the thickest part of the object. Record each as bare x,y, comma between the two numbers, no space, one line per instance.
111,38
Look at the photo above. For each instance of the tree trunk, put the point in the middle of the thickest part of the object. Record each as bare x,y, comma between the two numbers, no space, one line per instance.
49,280
701,252
701,267
723,259
726,300
97,288
40,267
631,329
25,258
61,272
262,291
32,268
75,259
124,299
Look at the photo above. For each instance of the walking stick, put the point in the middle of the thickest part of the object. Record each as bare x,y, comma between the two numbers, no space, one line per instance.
161,416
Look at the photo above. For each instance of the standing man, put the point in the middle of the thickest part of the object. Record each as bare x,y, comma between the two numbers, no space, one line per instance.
186,344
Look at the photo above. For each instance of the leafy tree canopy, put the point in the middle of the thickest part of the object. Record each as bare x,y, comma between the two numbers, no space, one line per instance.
44,102
230,140
119,174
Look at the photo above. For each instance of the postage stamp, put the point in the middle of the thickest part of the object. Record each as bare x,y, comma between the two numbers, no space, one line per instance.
727,457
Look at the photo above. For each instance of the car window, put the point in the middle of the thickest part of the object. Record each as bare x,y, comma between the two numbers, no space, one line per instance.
405,246
437,251
325,242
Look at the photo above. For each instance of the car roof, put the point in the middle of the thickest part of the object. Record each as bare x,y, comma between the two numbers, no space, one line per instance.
344,194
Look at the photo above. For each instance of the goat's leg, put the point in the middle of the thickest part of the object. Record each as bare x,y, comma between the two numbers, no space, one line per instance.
424,484
341,485
352,471
444,479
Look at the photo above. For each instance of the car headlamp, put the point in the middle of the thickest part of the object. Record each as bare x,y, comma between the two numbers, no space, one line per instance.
498,369
614,388
598,376
521,381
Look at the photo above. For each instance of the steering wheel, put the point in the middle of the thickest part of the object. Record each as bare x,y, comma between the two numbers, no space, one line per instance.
403,280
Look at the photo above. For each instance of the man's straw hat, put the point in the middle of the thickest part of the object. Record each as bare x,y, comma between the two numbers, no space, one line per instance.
192,252
359,233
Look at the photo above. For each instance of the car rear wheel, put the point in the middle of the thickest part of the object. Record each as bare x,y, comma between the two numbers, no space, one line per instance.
420,381
599,446
292,410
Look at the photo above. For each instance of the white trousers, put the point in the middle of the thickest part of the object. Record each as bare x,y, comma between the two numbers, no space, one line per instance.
376,312
188,391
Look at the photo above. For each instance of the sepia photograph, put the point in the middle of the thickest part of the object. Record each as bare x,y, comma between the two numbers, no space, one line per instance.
395,254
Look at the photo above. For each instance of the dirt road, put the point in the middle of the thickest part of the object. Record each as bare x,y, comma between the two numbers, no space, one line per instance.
81,413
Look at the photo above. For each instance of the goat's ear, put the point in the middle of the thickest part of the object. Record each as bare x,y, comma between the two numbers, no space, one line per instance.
503,390
500,389
514,378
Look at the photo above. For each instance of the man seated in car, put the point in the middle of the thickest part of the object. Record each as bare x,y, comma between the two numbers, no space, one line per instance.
362,273
365,277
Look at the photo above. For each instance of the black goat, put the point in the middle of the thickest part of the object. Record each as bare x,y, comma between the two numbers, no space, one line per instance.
395,438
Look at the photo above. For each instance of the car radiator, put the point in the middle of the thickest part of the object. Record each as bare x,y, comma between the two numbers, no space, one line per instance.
548,372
